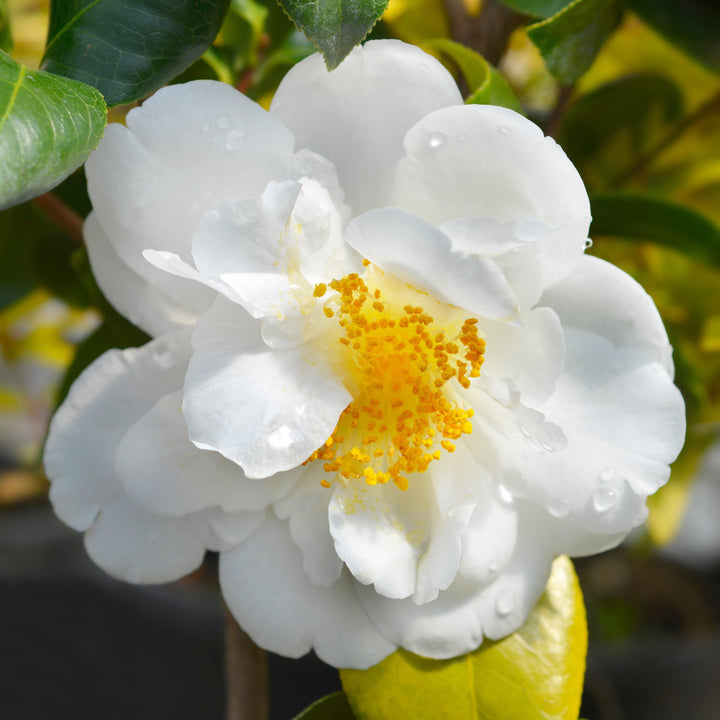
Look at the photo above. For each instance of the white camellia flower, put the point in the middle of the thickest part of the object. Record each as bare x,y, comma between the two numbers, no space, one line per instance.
386,383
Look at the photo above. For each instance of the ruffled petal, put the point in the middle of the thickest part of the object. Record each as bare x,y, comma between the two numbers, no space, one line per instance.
184,151
485,161
143,303
166,474
306,509
421,255
266,410
358,114
599,297
110,395
276,603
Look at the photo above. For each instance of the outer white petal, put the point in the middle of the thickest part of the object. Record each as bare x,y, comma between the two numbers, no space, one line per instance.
166,474
267,410
143,303
111,394
480,160
358,114
421,255
275,602
184,151
601,298
306,508
380,533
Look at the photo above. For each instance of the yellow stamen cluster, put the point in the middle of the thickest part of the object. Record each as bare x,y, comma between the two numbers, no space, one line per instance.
401,419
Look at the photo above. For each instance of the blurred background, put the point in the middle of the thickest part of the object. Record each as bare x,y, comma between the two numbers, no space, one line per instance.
642,124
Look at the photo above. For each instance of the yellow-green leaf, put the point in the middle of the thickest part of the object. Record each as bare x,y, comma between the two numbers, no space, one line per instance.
535,674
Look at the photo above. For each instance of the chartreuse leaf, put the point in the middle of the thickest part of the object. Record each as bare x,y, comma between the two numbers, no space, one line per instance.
48,126
607,131
570,39
535,674
331,707
692,25
537,8
335,27
129,48
663,222
487,85
6,42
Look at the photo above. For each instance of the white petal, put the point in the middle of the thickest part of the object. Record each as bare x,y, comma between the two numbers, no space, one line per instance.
152,181
419,254
490,237
358,114
380,532
480,160
306,506
111,394
275,602
530,355
266,410
143,303
166,474
601,298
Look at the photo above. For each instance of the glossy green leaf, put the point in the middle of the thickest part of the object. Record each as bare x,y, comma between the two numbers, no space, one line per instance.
692,25
487,85
654,219
570,40
48,126
537,8
335,27
607,131
331,707
129,48
6,42
535,674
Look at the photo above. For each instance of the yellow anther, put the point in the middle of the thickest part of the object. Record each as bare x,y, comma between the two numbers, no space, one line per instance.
320,290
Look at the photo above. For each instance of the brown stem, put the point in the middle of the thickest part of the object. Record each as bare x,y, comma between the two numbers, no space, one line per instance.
486,32
61,214
246,675
552,126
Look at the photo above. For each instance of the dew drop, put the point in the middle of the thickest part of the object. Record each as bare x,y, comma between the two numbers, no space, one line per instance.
504,130
223,121
164,358
493,566
505,495
607,475
559,507
437,140
233,139
604,499
505,603
588,244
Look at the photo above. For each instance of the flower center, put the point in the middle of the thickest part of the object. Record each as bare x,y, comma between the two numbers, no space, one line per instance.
397,363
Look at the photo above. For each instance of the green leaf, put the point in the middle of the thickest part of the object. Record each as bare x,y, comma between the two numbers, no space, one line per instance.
537,8
487,85
127,49
607,131
535,674
335,27
48,126
6,42
653,219
570,40
331,707
692,25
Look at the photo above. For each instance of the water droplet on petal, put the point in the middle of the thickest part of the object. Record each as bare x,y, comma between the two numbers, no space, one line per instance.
588,244
604,499
493,566
505,495
437,140
607,475
505,603
559,507
504,130
223,121
164,358
233,139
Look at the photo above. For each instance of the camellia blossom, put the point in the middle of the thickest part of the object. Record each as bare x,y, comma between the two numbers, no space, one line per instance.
386,384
